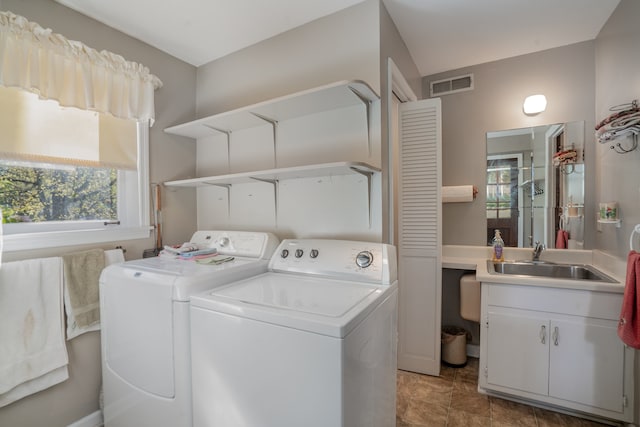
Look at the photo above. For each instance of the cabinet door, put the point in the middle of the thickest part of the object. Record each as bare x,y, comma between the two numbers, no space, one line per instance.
518,350
587,363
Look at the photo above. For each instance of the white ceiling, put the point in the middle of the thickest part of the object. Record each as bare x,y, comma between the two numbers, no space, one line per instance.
440,34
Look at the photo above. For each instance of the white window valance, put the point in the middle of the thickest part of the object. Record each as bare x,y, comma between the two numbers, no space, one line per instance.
73,74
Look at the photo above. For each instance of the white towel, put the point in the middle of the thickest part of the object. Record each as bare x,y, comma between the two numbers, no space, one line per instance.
112,256
33,355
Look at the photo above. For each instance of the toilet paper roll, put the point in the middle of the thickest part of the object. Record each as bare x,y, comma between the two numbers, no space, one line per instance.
457,193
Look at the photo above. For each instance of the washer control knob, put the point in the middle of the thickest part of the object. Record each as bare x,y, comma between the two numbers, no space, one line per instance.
224,241
364,259
313,253
284,253
299,253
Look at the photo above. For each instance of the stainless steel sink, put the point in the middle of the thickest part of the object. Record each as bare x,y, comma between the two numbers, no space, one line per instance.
549,270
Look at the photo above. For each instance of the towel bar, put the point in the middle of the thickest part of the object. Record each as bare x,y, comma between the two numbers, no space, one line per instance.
636,230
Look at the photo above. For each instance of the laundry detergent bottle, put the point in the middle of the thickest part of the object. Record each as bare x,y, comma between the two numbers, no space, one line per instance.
498,246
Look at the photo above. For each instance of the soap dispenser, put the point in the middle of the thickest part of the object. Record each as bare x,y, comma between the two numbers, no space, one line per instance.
498,245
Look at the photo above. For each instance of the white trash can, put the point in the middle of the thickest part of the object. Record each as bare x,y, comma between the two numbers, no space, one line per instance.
454,346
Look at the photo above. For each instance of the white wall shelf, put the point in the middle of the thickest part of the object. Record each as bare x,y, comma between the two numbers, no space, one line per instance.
274,176
324,98
296,172
334,96
616,222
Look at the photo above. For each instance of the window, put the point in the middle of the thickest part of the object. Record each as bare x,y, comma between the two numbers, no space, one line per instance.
499,183
502,197
94,192
48,193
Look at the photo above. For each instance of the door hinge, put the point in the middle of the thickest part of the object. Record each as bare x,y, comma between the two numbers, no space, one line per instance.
486,372
625,401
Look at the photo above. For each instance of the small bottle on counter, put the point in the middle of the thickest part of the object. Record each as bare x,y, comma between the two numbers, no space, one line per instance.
498,245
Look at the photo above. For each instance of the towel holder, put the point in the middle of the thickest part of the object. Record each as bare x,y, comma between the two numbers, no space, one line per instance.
636,230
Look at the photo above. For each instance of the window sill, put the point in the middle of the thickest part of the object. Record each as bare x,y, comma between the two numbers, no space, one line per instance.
32,241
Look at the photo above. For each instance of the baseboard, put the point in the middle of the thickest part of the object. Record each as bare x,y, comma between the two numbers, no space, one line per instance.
92,420
473,350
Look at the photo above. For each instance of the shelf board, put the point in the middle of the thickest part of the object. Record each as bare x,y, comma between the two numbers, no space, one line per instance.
317,100
617,222
311,171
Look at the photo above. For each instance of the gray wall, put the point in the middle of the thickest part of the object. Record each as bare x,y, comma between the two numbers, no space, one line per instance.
617,64
170,157
341,46
353,44
392,46
565,75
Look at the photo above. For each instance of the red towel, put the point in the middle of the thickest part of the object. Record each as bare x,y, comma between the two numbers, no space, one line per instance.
629,325
562,239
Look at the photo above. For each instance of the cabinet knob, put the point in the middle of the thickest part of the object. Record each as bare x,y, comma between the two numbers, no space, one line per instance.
555,335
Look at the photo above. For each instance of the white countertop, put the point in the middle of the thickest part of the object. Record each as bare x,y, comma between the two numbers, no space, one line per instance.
475,258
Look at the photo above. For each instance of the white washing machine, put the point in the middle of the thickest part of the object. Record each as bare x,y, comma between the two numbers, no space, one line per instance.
312,342
146,367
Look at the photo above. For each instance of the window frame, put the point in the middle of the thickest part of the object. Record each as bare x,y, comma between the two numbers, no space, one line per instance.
133,214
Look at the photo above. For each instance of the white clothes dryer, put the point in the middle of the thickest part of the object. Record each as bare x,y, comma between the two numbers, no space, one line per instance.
311,343
146,367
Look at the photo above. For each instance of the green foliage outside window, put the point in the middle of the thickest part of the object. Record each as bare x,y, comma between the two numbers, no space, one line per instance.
40,194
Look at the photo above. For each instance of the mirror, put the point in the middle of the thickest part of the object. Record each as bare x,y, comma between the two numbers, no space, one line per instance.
535,185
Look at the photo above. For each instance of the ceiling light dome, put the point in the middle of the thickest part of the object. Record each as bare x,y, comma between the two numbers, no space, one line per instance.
534,104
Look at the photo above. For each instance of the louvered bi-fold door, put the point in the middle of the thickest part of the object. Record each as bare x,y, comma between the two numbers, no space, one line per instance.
419,236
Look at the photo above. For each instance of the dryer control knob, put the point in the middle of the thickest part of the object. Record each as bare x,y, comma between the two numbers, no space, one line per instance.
313,253
364,259
224,241
299,253
284,253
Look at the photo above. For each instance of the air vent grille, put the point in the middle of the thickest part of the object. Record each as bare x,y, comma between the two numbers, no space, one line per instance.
452,85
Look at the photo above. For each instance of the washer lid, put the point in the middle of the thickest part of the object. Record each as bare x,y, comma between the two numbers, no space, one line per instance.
324,306
331,298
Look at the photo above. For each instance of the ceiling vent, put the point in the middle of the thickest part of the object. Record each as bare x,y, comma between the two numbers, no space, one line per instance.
452,85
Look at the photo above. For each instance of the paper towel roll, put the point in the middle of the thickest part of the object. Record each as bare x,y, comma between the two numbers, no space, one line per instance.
457,193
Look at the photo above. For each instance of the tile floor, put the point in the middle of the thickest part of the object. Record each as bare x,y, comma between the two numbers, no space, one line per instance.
453,400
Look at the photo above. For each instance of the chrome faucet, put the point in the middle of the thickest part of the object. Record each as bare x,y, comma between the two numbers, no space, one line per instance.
537,250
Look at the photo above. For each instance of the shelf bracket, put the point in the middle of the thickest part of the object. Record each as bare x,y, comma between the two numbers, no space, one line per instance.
367,104
276,190
368,175
228,133
228,187
274,125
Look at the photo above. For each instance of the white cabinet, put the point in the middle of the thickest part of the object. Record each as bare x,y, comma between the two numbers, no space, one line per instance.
558,347
517,350
596,381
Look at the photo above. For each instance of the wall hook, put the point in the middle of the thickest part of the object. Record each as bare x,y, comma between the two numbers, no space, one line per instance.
618,148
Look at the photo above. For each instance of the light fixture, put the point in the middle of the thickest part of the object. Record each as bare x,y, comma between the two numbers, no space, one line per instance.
534,104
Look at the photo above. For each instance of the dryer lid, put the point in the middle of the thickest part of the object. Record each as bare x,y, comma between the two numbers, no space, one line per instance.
185,278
